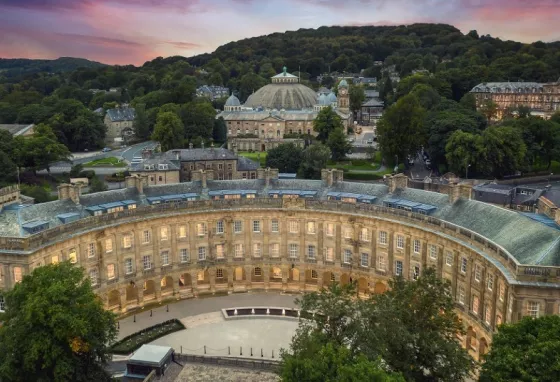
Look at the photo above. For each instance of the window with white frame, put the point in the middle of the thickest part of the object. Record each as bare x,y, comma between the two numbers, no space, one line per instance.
110,271
475,304
364,235
364,260
127,241
73,256
348,232
347,256
400,242
184,255
382,263
201,229
94,276
293,226
461,295
91,250
433,252
311,251
477,273
416,245
257,249
238,226
220,227
490,282
201,253
2,304
329,229
501,292
256,226
238,250
182,231
398,268
146,237
382,237
219,251
415,272
464,263
329,254
128,266
533,308
293,250
108,245
274,250
18,274
257,272
163,233
449,258
487,314
147,262
165,258
311,227
219,273
274,226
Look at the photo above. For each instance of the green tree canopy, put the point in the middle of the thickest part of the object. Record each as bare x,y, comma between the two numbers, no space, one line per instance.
357,97
141,122
285,157
326,121
40,150
168,132
55,328
315,158
339,144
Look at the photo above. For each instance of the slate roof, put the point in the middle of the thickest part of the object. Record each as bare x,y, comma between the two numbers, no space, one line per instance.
373,102
507,87
191,155
139,167
121,114
291,115
246,164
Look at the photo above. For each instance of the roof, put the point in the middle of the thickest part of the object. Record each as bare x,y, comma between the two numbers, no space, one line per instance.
284,74
121,114
288,96
151,354
246,164
291,115
343,84
191,155
16,129
503,189
157,160
232,101
373,102
331,97
507,87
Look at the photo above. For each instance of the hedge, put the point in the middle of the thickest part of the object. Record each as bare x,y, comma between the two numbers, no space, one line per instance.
132,342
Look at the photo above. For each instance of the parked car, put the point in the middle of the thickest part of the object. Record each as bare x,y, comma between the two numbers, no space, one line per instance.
106,149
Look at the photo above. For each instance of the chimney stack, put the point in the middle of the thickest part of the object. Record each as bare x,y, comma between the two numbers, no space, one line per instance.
397,181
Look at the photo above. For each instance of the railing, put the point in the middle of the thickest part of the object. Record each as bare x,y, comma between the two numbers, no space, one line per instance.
230,361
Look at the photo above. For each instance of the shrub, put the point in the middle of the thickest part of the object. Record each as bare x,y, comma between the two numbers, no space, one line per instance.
132,342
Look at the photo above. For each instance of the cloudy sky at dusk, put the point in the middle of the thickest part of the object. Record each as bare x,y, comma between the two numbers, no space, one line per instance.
134,31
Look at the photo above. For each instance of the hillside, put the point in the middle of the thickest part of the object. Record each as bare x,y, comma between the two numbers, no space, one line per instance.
21,66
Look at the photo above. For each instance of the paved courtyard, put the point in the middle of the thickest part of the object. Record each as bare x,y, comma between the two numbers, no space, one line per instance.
204,373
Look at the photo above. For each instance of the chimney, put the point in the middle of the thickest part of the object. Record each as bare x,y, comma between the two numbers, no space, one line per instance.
64,191
398,181
137,181
457,191
70,192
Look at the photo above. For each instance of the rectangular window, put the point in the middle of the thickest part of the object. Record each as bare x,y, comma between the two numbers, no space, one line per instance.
364,235
449,258
237,226
382,237
91,250
146,237
108,245
294,226
238,250
257,272
314,274
475,302
274,250
398,268
18,275
464,263
416,246
201,253
54,259
329,229
477,273
329,254
347,256
533,309
293,250
182,231
72,256
165,258
219,273
400,242
364,260
415,272
219,251
110,271
2,304
257,249
93,276
164,233
381,262
274,226
256,226
490,282
433,252
127,241
128,266
501,292
311,227
201,229
311,251
220,226
348,233
184,255
147,262
461,295
487,314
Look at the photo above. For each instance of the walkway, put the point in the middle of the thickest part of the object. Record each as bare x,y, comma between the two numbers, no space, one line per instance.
196,306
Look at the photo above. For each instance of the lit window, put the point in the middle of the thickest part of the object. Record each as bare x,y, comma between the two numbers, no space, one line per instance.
163,233
147,262
311,227
93,276
201,229
184,254
275,250
461,295
257,249
238,250
533,309
415,272
183,231
237,226
220,226
219,251
110,271
477,273
294,226
449,258
433,252
219,273
464,264
314,274
329,254
146,237
165,258
257,272
501,292
275,226
330,229
54,259
382,237
398,268
347,256
293,250
416,246
17,274
490,282
311,251
400,242
348,233
487,314
364,234
256,226
364,260
127,241
128,266
91,250
201,253
475,302
72,256
108,245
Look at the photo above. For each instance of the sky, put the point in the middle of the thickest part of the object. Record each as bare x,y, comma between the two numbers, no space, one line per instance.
135,31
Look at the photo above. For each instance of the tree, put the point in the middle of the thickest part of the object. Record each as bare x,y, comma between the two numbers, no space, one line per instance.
326,121
401,130
39,193
426,95
501,150
526,351
168,131
327,82
40,150
315,158
339,144
357,98
97,185
386,90
55,328
198,119
461,151
468,101
219,132
489,109
141,123
285,157
75,170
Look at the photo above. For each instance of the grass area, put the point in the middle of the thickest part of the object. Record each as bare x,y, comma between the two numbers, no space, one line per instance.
255,156
357,165
130,343
105,162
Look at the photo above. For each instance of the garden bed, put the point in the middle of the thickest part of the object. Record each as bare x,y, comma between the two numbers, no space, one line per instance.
106,162
132,342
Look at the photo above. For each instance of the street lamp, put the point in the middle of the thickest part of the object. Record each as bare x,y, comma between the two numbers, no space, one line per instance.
549,175
467,171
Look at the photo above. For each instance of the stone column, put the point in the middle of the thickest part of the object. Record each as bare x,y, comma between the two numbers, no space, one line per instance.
122,292
266,277
212,275
285,271
157,289
140,293
194,281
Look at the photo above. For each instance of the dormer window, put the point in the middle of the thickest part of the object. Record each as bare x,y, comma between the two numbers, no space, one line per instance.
149,167
163,166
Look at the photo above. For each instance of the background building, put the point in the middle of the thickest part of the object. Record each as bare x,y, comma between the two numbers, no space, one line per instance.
212,91
120,124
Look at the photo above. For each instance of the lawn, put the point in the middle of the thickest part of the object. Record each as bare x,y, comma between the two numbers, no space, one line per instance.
106,162
129,344
255,156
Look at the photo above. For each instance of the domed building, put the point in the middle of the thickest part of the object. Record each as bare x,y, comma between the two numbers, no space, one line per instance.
282,111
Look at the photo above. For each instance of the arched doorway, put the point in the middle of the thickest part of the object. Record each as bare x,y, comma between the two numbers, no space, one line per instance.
114,299
379,288
482,348
471,343
363,287
166,284
203,277
344,279
185,281
239,274
275,275
131,292
294,275
149,288
328,279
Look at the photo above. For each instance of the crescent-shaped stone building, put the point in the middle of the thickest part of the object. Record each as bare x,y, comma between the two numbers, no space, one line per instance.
154,243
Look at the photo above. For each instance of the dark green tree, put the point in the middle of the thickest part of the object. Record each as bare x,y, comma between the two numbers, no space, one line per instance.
55,328
315,158
198,119
168,132
97,185
141,122
285,157
386,90
326,122
339,144
462,151
357,98
219,131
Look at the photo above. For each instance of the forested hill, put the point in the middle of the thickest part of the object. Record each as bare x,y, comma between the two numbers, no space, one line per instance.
13,67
